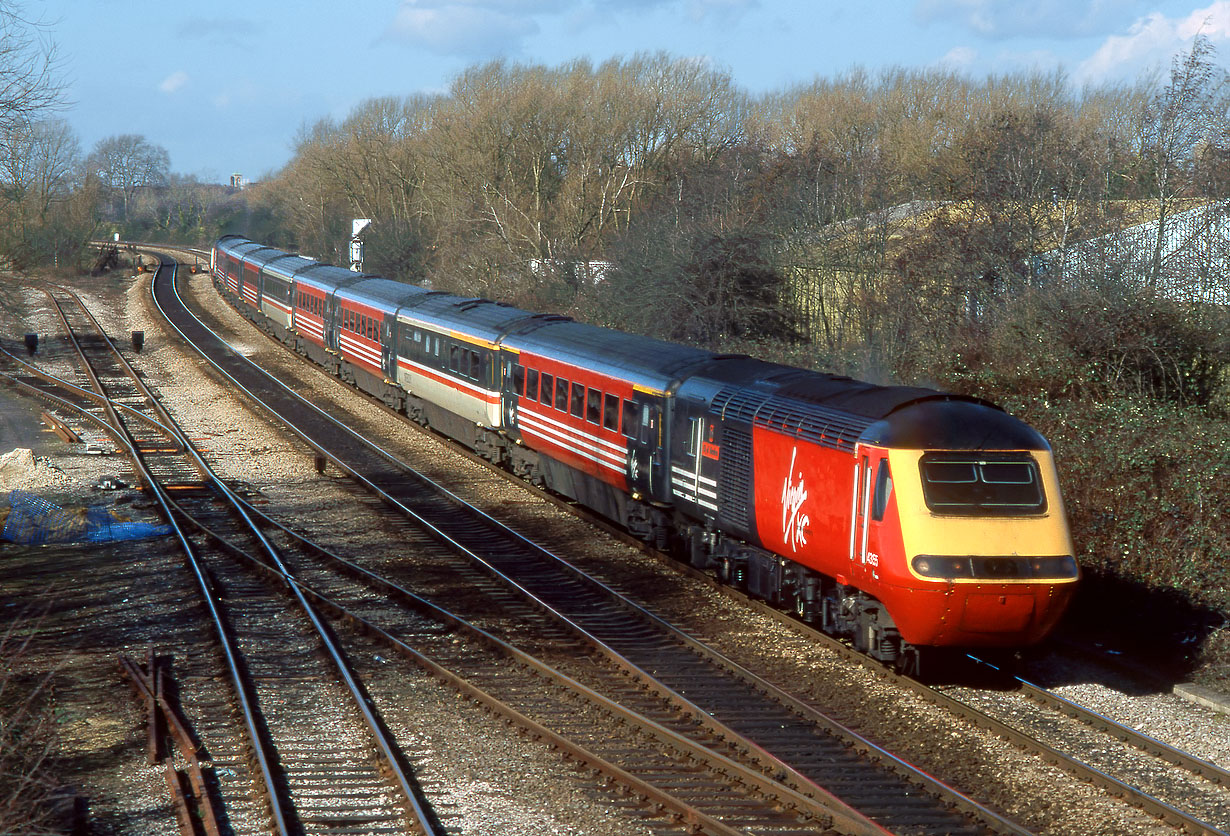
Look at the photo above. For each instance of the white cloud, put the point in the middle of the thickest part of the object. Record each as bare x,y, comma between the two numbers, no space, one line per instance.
959,58
470,28
173,82
1049,18
1153,40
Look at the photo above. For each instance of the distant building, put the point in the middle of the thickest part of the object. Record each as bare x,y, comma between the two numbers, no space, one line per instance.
237,181
574,272
1194,257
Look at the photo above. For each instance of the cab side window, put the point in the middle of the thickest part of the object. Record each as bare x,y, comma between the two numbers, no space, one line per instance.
884,489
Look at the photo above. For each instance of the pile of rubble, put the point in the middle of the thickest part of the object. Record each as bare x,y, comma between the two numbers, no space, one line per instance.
20,468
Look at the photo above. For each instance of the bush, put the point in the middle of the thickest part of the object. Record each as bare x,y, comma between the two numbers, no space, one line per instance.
1146,485
1095,339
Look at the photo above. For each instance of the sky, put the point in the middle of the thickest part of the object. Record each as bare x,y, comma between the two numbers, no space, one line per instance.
226,86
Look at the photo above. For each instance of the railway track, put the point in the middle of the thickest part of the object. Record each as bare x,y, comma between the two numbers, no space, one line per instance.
315,775
1197,807
738,711
1183,790
311,789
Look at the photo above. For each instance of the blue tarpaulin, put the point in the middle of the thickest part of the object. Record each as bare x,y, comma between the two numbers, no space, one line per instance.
34,521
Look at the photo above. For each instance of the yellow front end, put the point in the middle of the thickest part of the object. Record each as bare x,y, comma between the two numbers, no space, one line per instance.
979,577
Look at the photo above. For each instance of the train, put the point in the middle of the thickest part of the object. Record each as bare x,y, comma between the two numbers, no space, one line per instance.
903,519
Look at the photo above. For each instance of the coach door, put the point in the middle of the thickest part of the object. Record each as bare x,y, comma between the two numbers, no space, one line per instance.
509,378
694,467
330,321
644,428
388,347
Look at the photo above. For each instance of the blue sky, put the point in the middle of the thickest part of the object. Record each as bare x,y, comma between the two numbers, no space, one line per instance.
225,86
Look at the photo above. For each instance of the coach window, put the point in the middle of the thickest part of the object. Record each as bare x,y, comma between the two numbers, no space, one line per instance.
561,394
476,366
610,412
632,422
548,388
578,400
531,384
593,407
518,376
650,416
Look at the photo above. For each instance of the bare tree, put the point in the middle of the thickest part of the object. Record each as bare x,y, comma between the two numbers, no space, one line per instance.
1187,113
29,84
39,162
128,162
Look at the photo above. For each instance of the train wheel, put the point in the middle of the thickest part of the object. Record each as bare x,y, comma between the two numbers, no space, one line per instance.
908,662
802,610
731,573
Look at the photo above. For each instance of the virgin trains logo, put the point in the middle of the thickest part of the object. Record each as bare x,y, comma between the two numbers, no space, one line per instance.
794,521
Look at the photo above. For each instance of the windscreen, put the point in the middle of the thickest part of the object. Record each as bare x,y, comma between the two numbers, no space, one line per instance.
982,484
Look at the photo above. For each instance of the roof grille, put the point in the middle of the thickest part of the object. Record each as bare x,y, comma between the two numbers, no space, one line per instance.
822,425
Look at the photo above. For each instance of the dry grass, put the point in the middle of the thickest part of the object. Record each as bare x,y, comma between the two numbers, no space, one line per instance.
29,792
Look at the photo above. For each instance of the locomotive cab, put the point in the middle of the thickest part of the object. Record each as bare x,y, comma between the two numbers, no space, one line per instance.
974,547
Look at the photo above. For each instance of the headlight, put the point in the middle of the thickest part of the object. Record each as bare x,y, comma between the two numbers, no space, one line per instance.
1008,567
933,566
